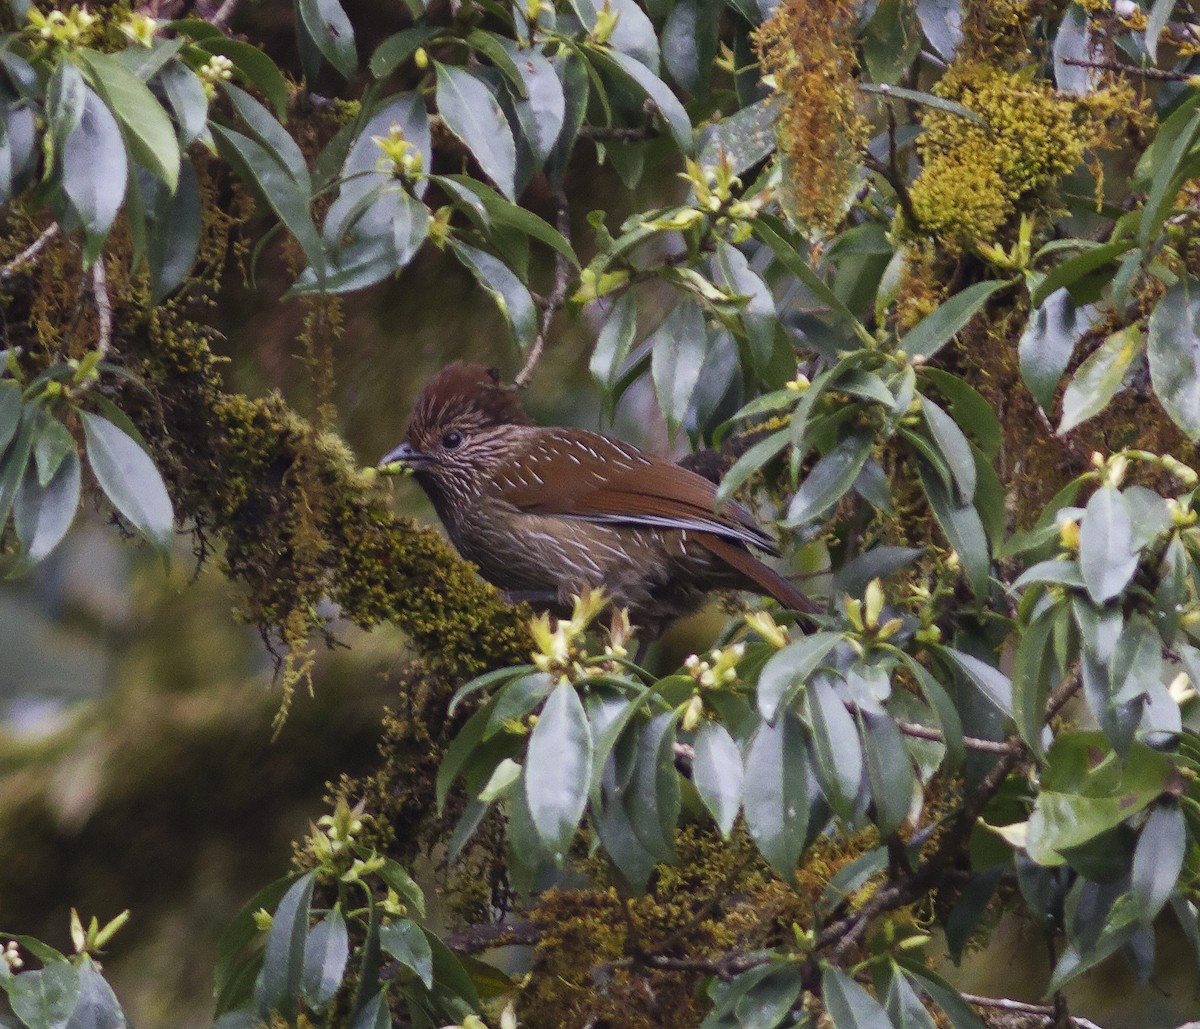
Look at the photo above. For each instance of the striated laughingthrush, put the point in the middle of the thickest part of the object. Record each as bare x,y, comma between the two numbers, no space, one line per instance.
546,513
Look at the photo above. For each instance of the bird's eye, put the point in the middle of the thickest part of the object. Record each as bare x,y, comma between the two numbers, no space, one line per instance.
452,440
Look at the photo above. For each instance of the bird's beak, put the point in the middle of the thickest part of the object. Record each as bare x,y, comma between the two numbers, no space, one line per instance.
406,454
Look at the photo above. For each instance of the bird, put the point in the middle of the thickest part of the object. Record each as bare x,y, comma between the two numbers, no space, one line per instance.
546,513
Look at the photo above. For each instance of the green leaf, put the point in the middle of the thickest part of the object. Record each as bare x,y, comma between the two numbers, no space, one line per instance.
65,96
935,330
836,750
614,342
10,412
963,529
393,875
542,109
509,293
325,957
1174,347
652,800
277,186
283,960
903,1005
270,134
767,1003
758,313
717,772
94,172
398,48
43,514
1097,380
473,114
775,795
849,1005
830,479
658,92
130,480
558,769
745,138
914,96
45,997
889,769
1075,268
1158,859
954,448
1048,341
959,1013
891,41
750,462
499,212
678,348
97,1006
1032,669
174,234
185,94
991,683
148,132
1106,555
236,937
790,669
406,942
330,28
1165,183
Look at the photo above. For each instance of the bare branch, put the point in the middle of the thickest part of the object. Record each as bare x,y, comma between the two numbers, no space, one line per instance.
1129,69
29,255
558,293
616,134
103,306
225,13
1020,1007
925,732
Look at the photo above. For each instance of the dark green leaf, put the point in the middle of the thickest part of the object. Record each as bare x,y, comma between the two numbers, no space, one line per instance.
148,132
373,1013
1174,346
174,234
185,94
236,937
935,330
830,479
558,768
717,772
767,1003
891,41
64,100
903,1005
787,671
775,797
914,96
499,212
1049,340
963,529
398,48
990,682
542,111
745,138
954,448
1057,572
758,313
268,132
969,409
877,563
836,751
509,293
1097,380
849,1005
658,92
1076,268
1032,671
396,878
283,961
94,172
129,479
1073,43
751,462
10,412
96,1006
957,1010
1158,860
652,800
1106,555
43,514
332,32
473,114
405,941
46,997
615,341
325,956
889,769
678,347
1165,183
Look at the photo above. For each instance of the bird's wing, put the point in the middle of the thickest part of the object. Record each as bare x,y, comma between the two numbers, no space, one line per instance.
572,473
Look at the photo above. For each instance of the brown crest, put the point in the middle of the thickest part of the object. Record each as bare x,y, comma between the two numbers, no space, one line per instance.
466,395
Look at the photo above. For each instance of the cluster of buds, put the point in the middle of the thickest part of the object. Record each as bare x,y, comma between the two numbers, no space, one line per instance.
12,956
719,670
333,835
799,384
1181,689
67,28
763,623
1068,533
95,937
216,69
557,650
139,29
400,157
594,284
864,614
508,1020
606,24
1020,257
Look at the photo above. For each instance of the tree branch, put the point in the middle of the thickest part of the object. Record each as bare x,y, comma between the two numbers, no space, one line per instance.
1129,69
30,254
558,293
103,304
1020,1007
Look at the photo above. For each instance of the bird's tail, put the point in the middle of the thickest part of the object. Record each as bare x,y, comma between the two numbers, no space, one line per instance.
767,579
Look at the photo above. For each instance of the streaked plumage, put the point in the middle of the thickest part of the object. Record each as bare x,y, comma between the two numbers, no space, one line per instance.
549,512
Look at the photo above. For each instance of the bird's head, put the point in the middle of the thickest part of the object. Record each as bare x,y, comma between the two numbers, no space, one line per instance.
457,432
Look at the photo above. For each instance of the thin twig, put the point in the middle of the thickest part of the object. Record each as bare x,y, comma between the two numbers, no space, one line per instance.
925,732
103,306
1020,1007
476,938
225,13
30,254
1129,69
616,134
558,293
